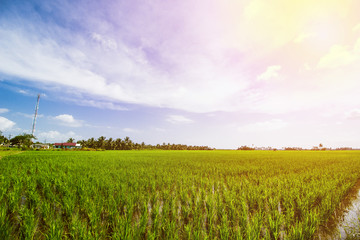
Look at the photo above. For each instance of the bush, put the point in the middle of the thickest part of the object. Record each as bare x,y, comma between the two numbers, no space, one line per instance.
245,148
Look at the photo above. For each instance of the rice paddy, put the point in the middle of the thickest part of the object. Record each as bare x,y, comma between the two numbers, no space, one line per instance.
172,194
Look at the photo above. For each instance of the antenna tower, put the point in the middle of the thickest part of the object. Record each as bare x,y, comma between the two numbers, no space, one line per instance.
36,112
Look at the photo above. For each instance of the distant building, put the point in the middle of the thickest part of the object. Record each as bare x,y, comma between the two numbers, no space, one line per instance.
40,146
67,145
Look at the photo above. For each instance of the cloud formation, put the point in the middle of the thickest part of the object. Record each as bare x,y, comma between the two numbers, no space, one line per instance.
178,119
200,61
269,125
151,71
107,43
56,136
353,114
271,72
68,120
4,110
131,130
356,28
31,116
97,104
6,124
339,55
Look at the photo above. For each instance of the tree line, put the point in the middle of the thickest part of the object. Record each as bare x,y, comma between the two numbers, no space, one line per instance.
21,140
128,144
26,140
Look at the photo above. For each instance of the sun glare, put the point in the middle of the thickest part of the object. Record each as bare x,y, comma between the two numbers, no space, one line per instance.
325,32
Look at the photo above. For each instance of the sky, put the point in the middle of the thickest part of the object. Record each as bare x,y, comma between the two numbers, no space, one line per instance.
197,72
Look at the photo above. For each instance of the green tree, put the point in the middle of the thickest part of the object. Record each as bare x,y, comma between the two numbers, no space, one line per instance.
128,143
70,140
101,142
109,144
90,143
23,140
3,139
82,143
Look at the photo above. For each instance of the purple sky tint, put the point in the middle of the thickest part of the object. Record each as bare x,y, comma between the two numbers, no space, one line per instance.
224,74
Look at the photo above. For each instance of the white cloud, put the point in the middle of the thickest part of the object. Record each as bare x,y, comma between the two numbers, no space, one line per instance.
31,116
106,42
49,135
356,28
357,46
98,104
300,38
353,114
271,72
45,61
25,92
338,56
178,119
6,124
131,130
56,136
270,125
68,120
306,67
4,110
201,67
196,79
159,129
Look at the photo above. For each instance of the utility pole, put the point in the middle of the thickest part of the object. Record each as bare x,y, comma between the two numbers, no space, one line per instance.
36,112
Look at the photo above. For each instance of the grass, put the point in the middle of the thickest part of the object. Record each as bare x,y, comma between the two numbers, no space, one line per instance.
7,152
172,194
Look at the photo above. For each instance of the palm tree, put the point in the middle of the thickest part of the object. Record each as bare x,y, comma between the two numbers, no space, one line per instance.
101,142
90,143
128,143
109,144
118,142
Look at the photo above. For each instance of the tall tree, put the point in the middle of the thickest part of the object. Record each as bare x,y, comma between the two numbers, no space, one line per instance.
3,139
91,143
109,144
101,142
23,140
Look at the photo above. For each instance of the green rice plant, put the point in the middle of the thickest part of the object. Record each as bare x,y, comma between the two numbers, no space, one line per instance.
5,225
172,194
56,230
275,223
78,228
29,223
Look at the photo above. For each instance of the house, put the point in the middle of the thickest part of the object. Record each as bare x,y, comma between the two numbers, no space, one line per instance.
67,145
40,146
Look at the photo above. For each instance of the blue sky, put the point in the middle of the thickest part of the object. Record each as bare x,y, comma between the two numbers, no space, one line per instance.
222,74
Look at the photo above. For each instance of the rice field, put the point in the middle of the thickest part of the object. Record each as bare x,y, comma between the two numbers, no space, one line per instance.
172,194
